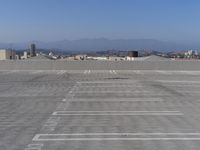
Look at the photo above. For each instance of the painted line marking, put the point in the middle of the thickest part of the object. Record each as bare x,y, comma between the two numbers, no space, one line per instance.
14,71
87,72
182,85
134,91
117,137
120,85
178,81
124,114
121,139
120,134
117,100
113,72
137,72
163,72
34,147
117,113
37,72
107,82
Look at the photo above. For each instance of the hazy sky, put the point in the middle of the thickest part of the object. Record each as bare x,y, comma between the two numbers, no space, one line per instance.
52,20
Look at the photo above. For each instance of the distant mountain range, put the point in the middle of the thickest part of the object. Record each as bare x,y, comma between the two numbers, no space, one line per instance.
103,44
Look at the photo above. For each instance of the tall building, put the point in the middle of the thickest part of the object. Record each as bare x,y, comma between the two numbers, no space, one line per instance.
32,50
6,54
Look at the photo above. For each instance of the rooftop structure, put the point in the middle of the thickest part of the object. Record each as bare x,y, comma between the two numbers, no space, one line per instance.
7,54
133,54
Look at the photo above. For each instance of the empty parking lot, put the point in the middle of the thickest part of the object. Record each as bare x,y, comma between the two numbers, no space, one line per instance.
99,109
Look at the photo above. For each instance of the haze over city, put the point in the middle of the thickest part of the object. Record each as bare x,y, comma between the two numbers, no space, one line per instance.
171,21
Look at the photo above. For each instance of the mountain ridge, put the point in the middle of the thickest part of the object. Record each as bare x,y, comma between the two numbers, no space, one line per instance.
98,44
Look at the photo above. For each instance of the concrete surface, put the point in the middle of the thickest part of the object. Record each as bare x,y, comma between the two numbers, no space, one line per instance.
99,110
145,64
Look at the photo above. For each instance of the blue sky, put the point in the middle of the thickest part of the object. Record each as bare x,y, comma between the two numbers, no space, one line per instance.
53,20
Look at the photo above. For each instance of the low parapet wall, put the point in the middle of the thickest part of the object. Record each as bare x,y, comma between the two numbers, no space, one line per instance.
99,65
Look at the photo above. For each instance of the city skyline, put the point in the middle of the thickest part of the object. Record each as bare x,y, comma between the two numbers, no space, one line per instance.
50,20
102,44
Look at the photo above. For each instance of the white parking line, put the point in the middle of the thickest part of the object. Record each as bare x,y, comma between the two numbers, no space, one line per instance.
163,72
37,72
121,139
118,137
87,72
123,114
34,147
113,72
117,113
14,71
108,82
122,134
178,81
100,92
120,100
137,71
113,86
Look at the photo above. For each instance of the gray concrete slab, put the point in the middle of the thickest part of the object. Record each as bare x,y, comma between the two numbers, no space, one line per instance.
99,109
145,64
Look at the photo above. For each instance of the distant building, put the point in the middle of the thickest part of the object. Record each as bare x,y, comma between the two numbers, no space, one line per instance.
17,57
6,54
80,57
32,50
191,53
25,56
132,53
115,58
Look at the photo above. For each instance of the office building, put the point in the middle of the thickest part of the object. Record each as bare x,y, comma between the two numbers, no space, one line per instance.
32,50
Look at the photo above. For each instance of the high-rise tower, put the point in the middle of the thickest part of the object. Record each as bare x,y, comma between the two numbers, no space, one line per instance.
32,50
